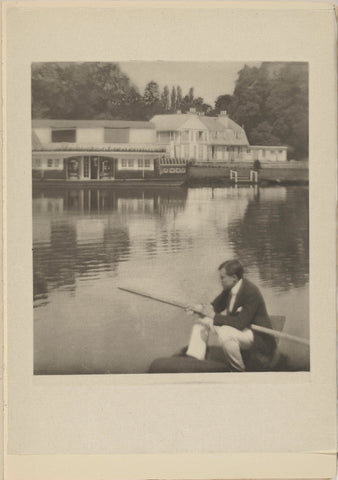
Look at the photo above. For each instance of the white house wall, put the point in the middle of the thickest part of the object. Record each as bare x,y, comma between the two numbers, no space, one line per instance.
132,164
90,135
142,136
43,134
46,163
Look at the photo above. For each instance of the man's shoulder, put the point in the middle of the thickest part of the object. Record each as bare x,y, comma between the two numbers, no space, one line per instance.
249,286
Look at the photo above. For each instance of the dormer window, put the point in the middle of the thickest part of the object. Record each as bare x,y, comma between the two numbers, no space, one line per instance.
67,135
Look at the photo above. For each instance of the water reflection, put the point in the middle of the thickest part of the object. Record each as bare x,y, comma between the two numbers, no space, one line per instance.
79,233
273,235
88,242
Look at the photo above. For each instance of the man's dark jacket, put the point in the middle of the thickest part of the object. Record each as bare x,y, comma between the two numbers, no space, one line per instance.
249,308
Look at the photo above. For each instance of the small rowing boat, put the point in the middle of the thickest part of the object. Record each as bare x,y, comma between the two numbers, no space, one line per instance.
181,362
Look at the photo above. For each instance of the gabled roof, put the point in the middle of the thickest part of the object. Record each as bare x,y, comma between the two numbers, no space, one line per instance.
171,121
50,123
231,132
212,123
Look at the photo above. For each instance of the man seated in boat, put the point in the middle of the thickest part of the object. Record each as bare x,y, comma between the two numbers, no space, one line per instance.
231,314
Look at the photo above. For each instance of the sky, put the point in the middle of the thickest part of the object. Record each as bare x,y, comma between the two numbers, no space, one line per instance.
209,79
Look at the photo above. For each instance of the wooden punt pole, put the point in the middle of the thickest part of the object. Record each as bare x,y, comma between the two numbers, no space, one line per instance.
257,328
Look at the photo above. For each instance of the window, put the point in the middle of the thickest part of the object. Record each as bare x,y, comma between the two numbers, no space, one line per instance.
64,135
86,167
116,135
123,163
57,162
200,136
186,152
140,163
37,163
185,136
164,137
147,163
130,163
50,163
263,153
200,152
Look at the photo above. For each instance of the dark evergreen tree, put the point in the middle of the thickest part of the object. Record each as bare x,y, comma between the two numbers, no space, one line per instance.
173,99
178,97
165,99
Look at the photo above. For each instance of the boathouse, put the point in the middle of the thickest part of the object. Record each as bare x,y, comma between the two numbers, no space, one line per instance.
198,138
195,137
94,149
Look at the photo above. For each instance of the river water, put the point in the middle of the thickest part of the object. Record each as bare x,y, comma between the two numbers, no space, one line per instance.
168,242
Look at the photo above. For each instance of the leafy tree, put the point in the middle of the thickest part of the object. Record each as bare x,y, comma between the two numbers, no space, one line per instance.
262,135
191,95
271,102
222,103
151,100
151,93
83,90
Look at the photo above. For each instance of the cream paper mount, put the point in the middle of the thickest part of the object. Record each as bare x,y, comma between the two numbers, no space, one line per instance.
101,426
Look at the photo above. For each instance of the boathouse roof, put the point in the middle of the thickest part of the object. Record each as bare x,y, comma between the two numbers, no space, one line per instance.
57,123
230,132
171,121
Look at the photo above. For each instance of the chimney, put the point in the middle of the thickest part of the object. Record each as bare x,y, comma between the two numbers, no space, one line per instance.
192,110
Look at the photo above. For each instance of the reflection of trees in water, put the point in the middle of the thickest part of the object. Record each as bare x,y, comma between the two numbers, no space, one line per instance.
54,263
60,262
274,237
65,256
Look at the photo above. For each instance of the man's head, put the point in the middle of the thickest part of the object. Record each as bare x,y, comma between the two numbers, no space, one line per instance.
230,272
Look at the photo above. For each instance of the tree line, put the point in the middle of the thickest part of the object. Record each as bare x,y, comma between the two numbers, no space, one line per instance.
102,91
270,101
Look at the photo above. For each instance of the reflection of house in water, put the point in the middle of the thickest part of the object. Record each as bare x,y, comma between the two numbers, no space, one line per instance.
76,247
273,235
77,200
149,213
216,207
162,201
47,205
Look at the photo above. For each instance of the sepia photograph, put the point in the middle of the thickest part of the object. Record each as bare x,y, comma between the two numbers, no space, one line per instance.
170,217
169,240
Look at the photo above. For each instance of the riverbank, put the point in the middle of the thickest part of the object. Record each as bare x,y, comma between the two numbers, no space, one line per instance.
199,175
226,182
218,174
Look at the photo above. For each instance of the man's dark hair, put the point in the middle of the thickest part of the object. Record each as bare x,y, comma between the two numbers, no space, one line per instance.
232,267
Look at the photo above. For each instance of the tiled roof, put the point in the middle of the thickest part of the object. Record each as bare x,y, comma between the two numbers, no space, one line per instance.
50,123
106,147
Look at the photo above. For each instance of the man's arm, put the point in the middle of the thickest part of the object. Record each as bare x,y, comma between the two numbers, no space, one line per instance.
242,319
